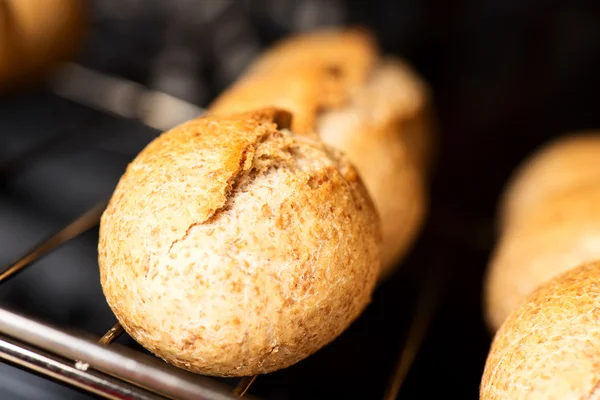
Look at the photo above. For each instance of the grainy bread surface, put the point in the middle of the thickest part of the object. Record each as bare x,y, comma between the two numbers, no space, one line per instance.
233,247
370,130
549,221
303,74
395,97
303,94
554,237
570,161
376,110
348,53
549,347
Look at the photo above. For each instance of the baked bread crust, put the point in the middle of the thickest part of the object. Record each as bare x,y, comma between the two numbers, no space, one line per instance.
550,222
555,236
374,130
303,74
562,164
376,110
233,247
549,347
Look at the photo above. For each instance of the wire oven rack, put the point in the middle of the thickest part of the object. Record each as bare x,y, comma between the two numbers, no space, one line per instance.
97,366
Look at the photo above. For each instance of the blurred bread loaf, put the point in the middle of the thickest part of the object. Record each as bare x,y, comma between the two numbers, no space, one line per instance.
565,163
550,222
375,109
35,36
232,246
549,347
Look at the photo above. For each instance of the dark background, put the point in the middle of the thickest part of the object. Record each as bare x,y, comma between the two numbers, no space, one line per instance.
506,75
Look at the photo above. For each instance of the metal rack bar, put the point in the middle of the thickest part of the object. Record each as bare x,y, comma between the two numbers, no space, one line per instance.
130,366
82,224
63,371
244,385
424,310
112,334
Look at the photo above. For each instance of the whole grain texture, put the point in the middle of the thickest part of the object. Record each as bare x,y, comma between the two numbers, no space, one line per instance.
549,347
233,247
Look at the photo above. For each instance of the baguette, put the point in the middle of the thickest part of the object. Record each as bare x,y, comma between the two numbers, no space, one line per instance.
567,162
550,222
374,109
232,246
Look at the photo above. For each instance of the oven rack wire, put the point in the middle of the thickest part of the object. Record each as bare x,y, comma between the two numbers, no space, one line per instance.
110,370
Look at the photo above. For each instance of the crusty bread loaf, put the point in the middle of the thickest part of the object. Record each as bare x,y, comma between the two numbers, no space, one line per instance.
375,110
555,236
549,347
234,247
36,35
570,161
550,222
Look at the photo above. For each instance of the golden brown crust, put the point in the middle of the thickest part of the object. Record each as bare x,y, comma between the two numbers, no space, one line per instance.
554,237
349,54
380,130
569,161
376,110
232,247
550,219
368,132
549,348
301,95
394,96
303,74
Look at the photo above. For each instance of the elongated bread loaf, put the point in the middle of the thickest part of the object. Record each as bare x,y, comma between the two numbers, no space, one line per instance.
232,246
550,222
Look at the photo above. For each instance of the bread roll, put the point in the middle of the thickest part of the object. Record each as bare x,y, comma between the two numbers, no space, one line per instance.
36,35
549,348
550,222
569,161
233,247
553,237
376,110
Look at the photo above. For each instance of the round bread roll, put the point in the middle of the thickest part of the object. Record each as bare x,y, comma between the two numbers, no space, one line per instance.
376,110
233,247
36,35
549,348
556,236
564,163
